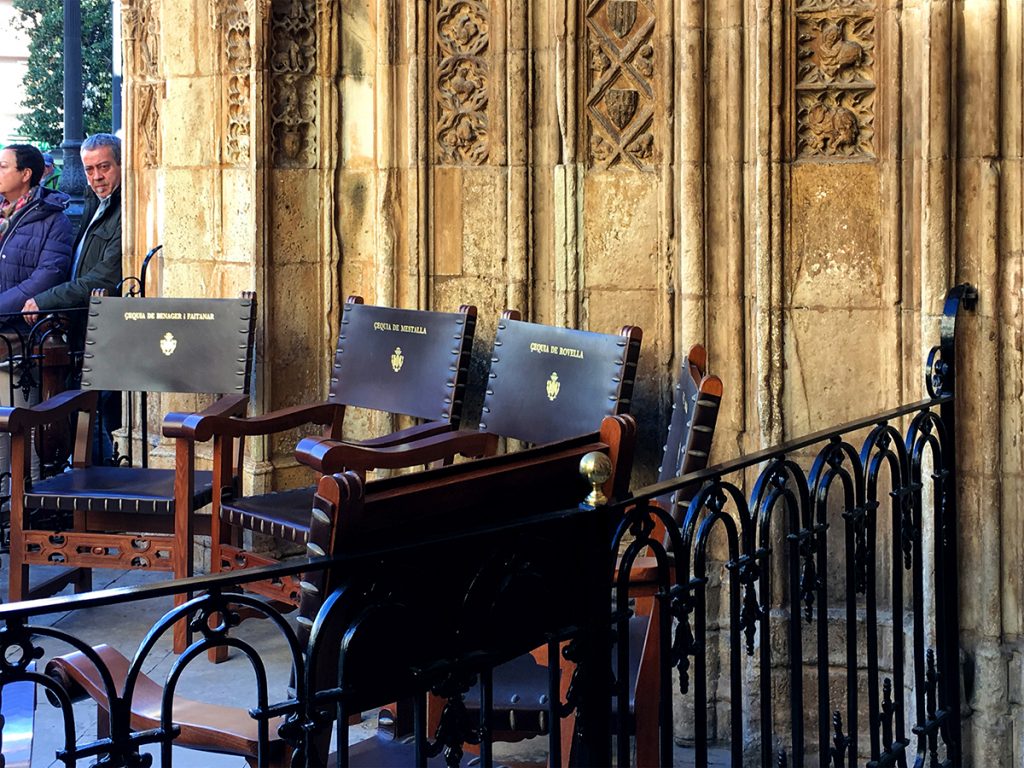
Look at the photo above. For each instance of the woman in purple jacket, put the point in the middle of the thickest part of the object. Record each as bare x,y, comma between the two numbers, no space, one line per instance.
35,254
35,234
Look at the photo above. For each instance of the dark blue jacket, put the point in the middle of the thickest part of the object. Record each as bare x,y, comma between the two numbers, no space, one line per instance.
35,254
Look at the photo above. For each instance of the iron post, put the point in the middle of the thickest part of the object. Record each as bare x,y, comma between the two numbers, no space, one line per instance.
72,179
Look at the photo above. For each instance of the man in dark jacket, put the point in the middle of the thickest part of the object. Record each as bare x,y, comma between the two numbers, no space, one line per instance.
96,262
96,259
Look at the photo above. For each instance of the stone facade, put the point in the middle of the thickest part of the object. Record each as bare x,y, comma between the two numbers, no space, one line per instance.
792,182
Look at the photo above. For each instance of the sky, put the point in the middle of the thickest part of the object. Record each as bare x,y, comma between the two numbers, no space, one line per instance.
13,65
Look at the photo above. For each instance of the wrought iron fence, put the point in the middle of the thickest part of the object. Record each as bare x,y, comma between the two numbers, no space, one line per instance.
429,613
803,594
839,589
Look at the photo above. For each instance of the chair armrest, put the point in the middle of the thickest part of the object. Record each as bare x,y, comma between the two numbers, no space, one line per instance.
19,419
643,576
408,435
202,426
229,405
329,456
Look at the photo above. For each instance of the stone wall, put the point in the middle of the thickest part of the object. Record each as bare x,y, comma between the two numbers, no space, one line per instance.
793,183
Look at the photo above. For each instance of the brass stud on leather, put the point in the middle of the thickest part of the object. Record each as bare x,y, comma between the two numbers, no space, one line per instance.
321,516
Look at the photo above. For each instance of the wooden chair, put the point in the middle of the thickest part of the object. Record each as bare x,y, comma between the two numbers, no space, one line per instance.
691,431
404,362
407,510
544,384
118,516
207,727
521,708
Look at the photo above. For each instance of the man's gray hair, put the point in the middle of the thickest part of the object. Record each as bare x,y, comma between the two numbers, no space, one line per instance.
98,140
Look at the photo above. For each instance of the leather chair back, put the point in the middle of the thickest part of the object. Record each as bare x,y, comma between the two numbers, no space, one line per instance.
548,383
386,359
169,345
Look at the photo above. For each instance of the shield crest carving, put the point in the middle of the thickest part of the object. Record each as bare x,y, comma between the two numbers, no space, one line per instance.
622,16
622,104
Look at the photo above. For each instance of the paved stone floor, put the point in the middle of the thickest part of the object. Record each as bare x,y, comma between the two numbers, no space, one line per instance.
231,682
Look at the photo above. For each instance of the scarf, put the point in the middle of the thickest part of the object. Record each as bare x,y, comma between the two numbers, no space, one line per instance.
8,209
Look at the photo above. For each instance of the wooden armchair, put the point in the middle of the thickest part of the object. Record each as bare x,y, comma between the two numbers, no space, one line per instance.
691,431
521,708
119,516
415,513
545,384
403,362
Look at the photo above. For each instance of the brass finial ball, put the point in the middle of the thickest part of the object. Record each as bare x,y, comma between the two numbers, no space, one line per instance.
596,467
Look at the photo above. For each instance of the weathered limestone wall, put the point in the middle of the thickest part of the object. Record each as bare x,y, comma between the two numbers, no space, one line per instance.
794,183
987,236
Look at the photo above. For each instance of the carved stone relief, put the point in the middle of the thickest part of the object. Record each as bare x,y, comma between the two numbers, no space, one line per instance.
835,79
237,64
620,70
462,82
293,91
147,109
836,124
141,30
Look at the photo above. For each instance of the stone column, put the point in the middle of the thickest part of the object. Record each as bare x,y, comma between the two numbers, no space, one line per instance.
986,238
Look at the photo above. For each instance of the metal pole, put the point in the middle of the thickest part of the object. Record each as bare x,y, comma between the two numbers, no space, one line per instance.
72,179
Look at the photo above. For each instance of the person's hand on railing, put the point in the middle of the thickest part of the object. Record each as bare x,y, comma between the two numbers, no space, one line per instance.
30,311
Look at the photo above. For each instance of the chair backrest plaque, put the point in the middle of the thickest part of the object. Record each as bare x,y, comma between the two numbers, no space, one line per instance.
550,383
402,361
169,345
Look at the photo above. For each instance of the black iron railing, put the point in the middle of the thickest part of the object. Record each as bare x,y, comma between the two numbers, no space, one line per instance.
878,493
407,618
836,579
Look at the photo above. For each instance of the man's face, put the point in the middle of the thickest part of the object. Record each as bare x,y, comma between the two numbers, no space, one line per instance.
102,171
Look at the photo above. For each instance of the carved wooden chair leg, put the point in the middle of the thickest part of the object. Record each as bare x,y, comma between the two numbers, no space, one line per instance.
648,688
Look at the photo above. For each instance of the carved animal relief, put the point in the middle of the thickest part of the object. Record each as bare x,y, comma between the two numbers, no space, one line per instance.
620,72
237,63
835,79
462,82
293,106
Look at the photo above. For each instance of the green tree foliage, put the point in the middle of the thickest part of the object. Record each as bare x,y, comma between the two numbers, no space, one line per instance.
42,120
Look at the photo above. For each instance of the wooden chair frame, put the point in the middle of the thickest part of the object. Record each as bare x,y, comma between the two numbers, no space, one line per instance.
366,374
445,497
127,517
